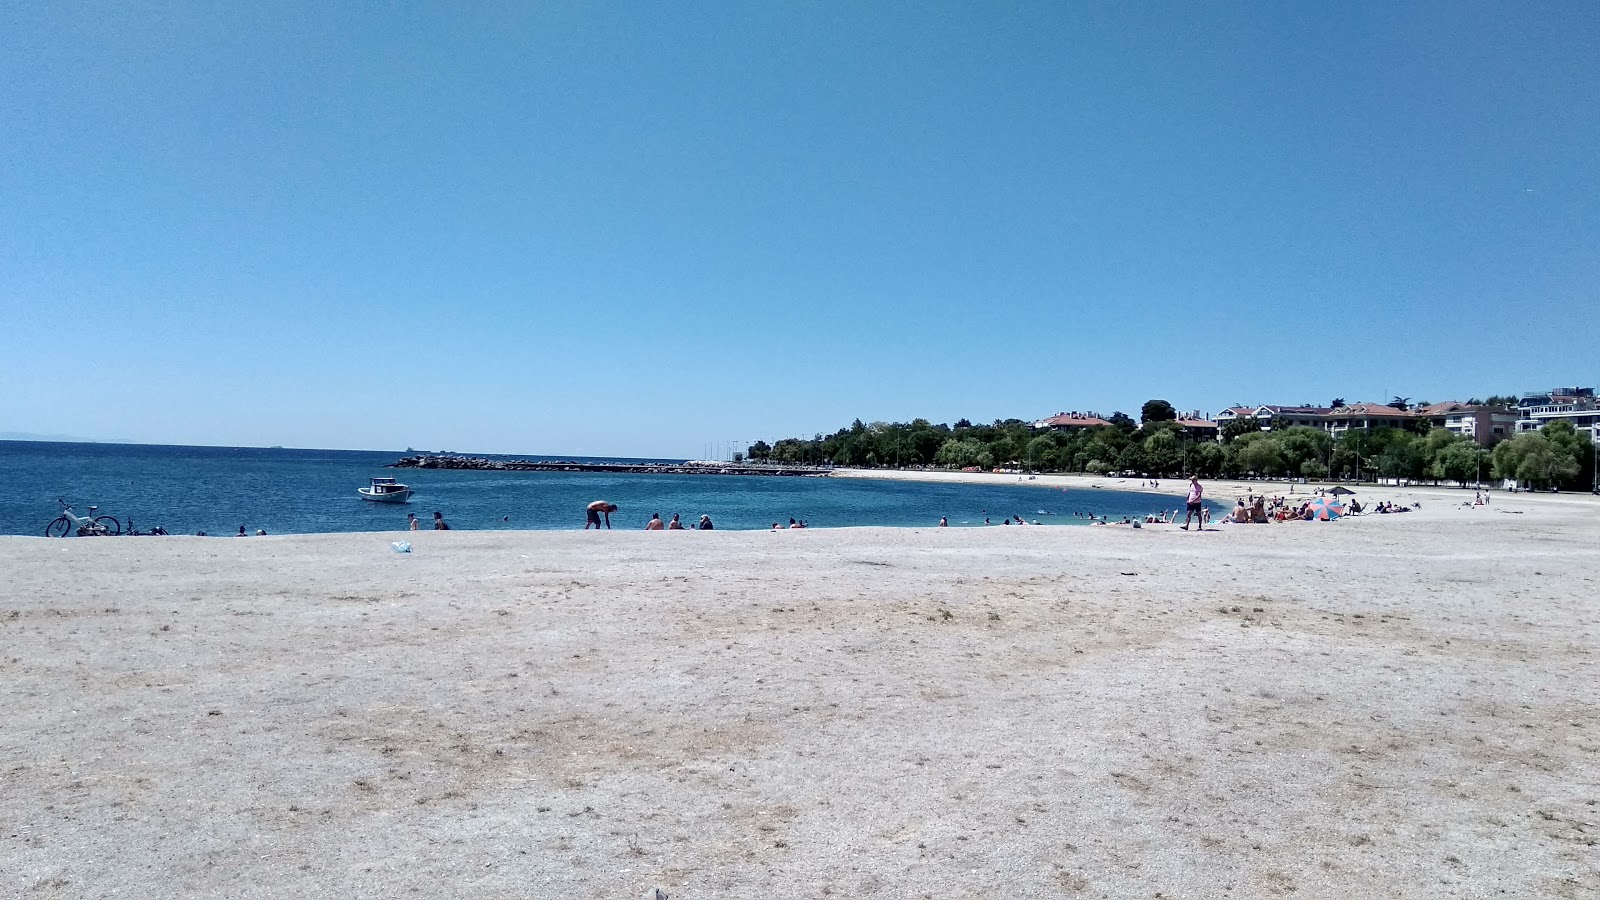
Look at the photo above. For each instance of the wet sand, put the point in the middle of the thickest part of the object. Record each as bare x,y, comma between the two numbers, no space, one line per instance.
1392,706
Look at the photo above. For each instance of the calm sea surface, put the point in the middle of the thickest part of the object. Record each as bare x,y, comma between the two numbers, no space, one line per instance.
217,489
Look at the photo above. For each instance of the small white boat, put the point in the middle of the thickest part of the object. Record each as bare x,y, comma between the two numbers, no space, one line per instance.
385,490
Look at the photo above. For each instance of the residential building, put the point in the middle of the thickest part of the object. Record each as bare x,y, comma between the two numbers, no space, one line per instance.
1486,425
1311,416
1198,428
1574,404
1071,423
1359,416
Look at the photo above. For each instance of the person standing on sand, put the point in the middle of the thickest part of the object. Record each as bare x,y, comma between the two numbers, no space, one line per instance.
439,524
596,510
1196,509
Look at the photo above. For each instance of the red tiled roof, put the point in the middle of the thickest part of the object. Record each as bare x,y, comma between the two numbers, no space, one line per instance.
1354,410
1067,420
1197,423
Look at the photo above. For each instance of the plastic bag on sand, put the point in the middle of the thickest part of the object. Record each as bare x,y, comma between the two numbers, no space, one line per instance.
401,546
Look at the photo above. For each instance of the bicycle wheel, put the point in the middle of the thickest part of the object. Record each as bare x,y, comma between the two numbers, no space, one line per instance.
109,523
59,527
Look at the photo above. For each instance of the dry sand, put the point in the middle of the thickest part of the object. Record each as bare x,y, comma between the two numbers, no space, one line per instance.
1397,706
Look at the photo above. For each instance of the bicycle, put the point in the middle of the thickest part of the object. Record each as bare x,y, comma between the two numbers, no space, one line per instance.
89,525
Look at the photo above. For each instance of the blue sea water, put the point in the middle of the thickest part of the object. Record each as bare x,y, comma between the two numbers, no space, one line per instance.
217,489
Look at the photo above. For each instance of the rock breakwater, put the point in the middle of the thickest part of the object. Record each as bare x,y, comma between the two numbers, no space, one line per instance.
479,463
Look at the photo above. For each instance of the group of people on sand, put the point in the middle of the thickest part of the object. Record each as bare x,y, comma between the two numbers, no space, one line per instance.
1260,510
1196,512
600,512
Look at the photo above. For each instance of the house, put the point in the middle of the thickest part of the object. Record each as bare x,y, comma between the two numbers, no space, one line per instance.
1311,416
1487,425
1070,423
1365,415
1198,428
1574,404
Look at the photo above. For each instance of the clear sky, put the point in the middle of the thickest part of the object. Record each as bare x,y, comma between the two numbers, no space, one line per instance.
636,229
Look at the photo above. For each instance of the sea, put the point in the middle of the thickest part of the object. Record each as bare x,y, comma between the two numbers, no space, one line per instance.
188,490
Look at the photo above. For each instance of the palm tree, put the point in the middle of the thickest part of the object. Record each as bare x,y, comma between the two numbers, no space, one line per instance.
1401,403
1337,403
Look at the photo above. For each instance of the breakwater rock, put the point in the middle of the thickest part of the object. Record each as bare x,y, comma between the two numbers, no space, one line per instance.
478,463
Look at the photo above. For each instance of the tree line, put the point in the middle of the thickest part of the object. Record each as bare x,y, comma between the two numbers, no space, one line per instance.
1158,447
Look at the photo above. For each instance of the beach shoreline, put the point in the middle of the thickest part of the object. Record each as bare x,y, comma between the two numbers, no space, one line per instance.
1381,706
1215,488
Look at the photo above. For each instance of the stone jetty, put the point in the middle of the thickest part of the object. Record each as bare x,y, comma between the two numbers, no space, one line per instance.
479,463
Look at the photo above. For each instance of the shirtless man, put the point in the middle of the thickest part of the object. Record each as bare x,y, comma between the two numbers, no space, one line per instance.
1195,509
655,523
596,510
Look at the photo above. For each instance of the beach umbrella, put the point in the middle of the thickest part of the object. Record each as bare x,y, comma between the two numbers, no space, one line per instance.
1325,510
1341,491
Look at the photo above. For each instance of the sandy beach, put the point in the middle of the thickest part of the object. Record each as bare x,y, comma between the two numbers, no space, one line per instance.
1393,706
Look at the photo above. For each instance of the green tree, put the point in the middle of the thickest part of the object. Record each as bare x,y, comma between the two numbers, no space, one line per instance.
1241,426
1563,437
1457,461
1313,468
1131,459
964,452
1205,459
1403,457
1040,453
1260,453
1157,411
1300,445
1541,459
760,450
1163,453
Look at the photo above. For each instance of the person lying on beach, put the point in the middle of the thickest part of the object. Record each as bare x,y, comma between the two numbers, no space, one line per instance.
655,523
675,525
596,510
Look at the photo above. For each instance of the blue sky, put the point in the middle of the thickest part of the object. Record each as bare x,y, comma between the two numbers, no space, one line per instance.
637,229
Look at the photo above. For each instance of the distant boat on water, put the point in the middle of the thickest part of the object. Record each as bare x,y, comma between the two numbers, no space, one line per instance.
385,490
